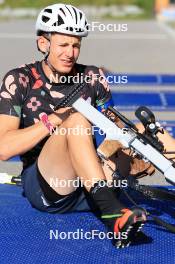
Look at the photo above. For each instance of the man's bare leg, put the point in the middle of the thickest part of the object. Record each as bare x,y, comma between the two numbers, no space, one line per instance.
64,157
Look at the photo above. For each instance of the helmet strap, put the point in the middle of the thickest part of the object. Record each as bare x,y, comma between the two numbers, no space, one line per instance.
46,60
46,57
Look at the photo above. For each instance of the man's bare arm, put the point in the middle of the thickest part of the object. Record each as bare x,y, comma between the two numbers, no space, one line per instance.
15,141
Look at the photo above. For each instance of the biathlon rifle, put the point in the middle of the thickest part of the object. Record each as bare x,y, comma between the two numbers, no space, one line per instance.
146,145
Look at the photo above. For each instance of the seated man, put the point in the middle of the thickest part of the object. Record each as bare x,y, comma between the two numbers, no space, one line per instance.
28,96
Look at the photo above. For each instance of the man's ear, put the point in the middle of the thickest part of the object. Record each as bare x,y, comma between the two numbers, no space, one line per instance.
42,43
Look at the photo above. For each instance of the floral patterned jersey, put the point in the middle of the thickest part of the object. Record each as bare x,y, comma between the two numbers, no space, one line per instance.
26,92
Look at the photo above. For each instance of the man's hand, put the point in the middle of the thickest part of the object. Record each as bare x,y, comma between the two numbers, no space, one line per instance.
64,112
61,115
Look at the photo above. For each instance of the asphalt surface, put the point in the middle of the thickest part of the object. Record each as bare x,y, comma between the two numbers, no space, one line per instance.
146,47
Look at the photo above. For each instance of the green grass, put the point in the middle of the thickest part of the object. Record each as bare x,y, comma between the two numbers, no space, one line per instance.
172,24
41,3
147,5
143,16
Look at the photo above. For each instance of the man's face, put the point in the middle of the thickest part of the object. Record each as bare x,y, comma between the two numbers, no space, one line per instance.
64,52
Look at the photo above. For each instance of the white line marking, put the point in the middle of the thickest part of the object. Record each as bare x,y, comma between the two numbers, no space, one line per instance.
167,29
17,36
138,36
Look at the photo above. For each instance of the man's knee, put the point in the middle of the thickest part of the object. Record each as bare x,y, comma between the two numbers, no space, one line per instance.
77,119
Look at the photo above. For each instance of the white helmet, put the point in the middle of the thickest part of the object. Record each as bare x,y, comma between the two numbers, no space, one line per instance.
62,18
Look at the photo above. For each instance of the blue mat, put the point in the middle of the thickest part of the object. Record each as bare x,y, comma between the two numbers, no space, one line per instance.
25,236
154,100
15,159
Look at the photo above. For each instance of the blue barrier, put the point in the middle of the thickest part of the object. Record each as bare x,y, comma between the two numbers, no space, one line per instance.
154,100
141,79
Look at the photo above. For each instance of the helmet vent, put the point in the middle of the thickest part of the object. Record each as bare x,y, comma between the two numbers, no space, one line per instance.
69,11
70,28
86,25
45,19
79,30
75,14
48,10
60,21
62,11
81,15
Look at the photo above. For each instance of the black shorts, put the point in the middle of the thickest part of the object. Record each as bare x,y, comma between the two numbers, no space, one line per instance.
35,191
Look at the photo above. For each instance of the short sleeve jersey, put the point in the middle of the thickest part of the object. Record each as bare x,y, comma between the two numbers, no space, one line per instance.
26,92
